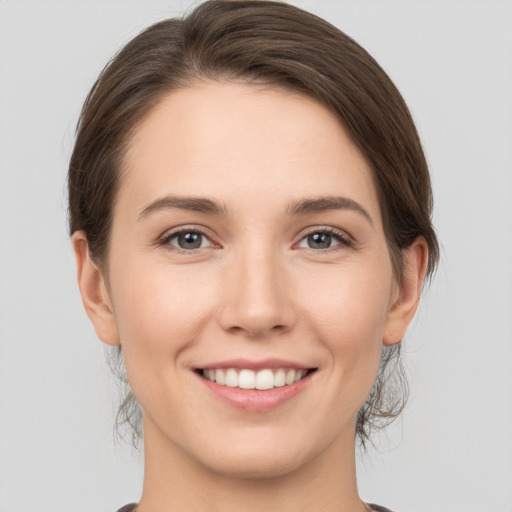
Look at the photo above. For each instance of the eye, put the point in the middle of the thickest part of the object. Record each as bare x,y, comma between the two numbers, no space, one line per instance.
187,240
324,239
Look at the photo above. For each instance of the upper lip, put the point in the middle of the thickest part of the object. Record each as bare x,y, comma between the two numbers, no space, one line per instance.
255,365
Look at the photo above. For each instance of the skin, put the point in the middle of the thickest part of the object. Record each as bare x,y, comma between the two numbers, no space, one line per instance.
254,289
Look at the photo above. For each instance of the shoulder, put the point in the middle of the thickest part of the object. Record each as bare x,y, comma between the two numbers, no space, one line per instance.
128,508
377,508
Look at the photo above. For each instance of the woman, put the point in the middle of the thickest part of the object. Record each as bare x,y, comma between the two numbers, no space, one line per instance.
250,213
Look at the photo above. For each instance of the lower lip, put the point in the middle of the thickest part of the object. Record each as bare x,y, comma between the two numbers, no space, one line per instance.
256,399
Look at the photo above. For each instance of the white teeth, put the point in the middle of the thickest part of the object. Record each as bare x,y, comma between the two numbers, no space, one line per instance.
219,377
299,374
264,379
290,377
231,378
279,378
249,379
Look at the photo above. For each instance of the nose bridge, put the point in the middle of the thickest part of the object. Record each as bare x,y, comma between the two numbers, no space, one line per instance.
256,301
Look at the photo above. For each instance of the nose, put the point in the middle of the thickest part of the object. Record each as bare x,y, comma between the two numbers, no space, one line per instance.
257,300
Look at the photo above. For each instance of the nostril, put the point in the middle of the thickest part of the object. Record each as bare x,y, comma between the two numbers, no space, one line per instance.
256,305
256,330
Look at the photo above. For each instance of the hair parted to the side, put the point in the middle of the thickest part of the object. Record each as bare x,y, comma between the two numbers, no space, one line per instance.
276,45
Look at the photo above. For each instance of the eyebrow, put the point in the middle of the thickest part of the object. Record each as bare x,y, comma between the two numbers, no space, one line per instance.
322,204
212,207
195,204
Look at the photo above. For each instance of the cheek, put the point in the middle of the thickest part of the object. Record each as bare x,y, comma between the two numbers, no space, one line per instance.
160,315
160,311
350,303
348,310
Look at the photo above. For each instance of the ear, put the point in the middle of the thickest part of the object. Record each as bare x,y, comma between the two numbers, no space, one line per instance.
93,289
408,292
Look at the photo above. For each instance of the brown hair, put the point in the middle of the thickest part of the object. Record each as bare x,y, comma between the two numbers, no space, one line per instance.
282,46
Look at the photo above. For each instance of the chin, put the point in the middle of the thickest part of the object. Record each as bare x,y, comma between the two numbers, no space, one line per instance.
262,456
256,468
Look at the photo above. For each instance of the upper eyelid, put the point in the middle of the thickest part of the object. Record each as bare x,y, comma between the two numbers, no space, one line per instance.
324,229
345,240
203,230
169,234
180,229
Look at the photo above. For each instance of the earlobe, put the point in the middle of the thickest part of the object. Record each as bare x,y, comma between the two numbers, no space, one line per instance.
95,296
415,260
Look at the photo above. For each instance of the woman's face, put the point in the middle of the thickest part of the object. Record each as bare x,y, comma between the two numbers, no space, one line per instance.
247,247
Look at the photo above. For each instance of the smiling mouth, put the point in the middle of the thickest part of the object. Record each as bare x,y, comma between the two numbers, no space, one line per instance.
264,379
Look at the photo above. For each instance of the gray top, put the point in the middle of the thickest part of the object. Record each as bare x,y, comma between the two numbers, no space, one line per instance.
377,508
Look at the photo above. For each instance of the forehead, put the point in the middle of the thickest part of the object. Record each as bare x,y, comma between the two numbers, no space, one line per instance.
235,140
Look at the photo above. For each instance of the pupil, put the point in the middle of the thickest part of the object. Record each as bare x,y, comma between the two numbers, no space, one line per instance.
190,240
319,241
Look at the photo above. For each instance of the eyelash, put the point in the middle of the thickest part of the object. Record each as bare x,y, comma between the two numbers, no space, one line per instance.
166,238
344,241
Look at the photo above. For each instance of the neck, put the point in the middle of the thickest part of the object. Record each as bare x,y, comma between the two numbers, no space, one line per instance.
175,481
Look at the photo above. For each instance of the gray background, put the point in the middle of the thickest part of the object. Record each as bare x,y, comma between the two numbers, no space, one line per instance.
452,451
